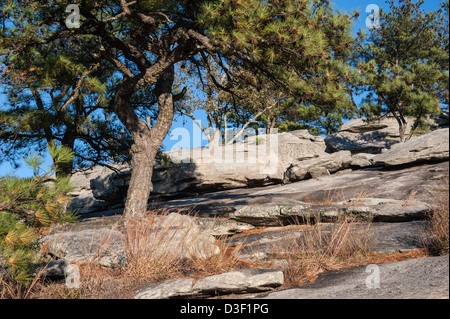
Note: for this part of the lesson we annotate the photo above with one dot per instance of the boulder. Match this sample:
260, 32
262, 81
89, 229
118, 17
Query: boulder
374, 136
362, 160
244, 164
430, 147
104, 242
202, 170
383, 211
235, 282
425, 278
370, 142
319, 166
169, 289
240, 281
383, 238
364, 136
99, 188
387, 125
101, 246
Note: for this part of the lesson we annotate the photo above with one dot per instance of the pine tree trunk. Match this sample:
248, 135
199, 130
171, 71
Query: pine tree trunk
141, 178
147, 141
402, 124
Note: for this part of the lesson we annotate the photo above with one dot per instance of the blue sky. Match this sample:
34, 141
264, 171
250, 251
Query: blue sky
183, 122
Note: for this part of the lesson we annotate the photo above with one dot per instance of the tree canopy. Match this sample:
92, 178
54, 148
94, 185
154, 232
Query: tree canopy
403, 64
108, 87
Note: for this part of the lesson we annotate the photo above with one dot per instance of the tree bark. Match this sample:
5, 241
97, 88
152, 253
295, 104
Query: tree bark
147, 141
402, 124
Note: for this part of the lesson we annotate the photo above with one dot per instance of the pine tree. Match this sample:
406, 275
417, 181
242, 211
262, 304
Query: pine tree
293, 45
27, 204
54, 92
403, 65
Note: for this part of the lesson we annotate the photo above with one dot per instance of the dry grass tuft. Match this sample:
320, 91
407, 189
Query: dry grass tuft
153, 250
225, 260
152, 245
149, 256
436, 236
324, 248
13, 289
334, 196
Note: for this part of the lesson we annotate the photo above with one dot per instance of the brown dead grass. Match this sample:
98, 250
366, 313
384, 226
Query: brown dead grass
96, 283
148, 260
436, 236
334, 196
323, 248
397, 257
302, 258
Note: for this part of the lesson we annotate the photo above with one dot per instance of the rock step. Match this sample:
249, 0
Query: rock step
383, 238
235, 282
105, 243
377, 210
424, 278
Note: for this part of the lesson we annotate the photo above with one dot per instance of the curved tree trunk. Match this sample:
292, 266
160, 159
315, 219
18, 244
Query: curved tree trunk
402, 125
147, 141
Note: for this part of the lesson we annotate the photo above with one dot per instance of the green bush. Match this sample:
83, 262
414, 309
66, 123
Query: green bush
27, 204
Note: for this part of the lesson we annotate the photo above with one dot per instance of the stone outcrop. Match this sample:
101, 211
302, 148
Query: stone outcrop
235, 282
266, 160
384, 186
202, 170
426, 278
430, 147
375, 136
320, 166
107, 243
382, 211
362, 136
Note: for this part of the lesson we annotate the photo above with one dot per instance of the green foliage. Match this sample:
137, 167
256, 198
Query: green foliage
303, 44
260, 141
27, 204
403, 65
56, 91
279, 60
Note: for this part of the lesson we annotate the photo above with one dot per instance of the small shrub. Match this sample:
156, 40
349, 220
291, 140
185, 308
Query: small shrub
27, 204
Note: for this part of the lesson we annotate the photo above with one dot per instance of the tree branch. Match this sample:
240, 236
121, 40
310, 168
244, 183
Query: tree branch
252, 120
76, 91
